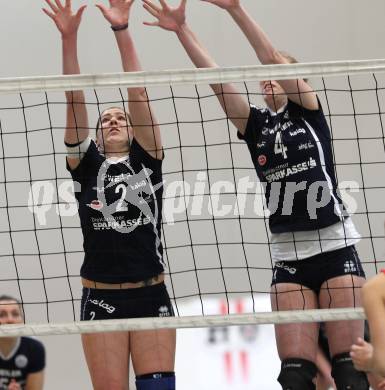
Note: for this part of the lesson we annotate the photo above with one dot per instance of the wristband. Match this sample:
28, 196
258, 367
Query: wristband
119, 27
79, 149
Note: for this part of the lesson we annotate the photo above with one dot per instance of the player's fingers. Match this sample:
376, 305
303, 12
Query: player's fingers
183, 4
151, 5
50, 14
355, 348
103, 8
59, 4
361, 341
153, 12
152, 24
80, 11
52, 6
164, 4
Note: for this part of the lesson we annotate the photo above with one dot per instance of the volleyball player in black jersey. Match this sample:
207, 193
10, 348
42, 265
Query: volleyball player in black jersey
316, 264
22, 359
118, 180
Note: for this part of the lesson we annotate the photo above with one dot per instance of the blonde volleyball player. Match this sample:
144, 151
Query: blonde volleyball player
120, 208
316, 264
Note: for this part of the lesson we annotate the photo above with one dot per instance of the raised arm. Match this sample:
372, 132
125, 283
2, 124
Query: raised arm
67, 22
298, 91
173, 19
145, 126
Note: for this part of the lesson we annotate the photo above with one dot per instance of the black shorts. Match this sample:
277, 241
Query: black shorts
314, 271
151, 301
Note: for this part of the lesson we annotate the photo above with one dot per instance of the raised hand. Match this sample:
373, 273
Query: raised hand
225, 4
65, 19
118, 13
168, 18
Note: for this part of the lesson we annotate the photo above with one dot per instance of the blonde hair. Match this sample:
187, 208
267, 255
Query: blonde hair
291, 59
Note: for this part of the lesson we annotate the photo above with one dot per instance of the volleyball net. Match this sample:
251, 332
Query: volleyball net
215, 223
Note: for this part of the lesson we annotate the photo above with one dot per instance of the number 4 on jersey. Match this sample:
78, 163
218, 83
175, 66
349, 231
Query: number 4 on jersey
279, 147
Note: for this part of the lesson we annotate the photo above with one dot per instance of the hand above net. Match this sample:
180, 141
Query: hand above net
65, 19
118, 13
171, 19
225, 4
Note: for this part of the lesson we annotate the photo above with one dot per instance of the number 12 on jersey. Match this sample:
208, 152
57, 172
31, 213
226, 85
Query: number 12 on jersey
279, 147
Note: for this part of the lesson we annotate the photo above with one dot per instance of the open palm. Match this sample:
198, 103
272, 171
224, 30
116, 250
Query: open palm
65, 19
168, 18
118, 12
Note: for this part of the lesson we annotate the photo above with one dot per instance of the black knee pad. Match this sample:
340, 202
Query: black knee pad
346, 376
297, 374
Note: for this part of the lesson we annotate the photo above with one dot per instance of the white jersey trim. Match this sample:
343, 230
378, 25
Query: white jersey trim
156, 216
279, 111
337, 207
302, 245
85, 304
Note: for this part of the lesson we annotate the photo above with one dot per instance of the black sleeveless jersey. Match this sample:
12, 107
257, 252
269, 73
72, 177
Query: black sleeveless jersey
120, 209
28, 357
292, 154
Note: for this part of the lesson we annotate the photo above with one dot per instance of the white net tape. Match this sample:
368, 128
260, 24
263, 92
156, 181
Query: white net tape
190, 76
282, 317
